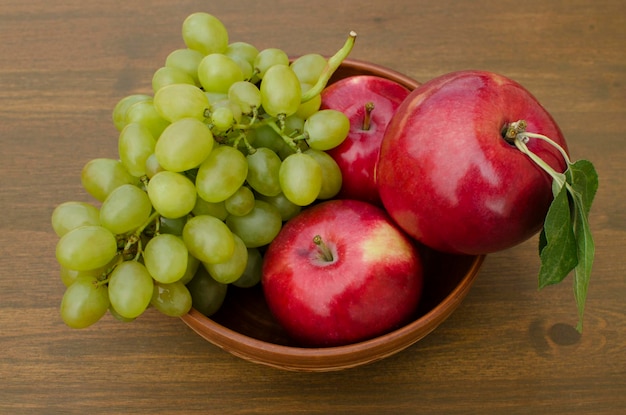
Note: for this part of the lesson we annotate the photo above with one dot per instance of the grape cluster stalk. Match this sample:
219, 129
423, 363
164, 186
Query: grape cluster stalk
230, 145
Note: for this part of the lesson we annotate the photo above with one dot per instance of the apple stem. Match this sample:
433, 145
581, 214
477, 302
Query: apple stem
367, 117
324, 251
516, 134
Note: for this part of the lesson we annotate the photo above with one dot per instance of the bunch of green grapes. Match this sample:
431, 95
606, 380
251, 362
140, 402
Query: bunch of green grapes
229, 145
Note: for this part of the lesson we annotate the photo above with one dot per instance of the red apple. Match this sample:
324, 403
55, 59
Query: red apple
369, 102
448, 177
341, 272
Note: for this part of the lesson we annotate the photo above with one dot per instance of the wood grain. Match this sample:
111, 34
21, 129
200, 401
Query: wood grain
509, 348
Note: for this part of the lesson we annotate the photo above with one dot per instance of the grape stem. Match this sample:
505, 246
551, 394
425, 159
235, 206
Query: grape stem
290, 141
331, 66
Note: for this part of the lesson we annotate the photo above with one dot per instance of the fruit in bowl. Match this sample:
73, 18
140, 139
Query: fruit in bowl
229, 159
341, 272
245, 326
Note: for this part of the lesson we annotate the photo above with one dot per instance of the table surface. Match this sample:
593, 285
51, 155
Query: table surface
509, 348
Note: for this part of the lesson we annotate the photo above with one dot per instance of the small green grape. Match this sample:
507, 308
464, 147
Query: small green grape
125, 209
173, 299
184, 145
280, 91
71, 215
130, 289
84, 302
208, 239
172, 194
205, 33
207, 295
300, 178
165, 257
86, 248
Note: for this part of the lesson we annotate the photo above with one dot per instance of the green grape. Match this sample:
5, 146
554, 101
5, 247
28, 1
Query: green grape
265, 136
326, 129
167, 75
152, 166
246, 95
135, 144
165, 257
172, 226
221, 174
71, 215
286, 208
184, 145
331, 173
205, 33
294, 125
310, 107
85, 248
172, 194
254, 270
226, 103
208, 239
300, 178
125, 209
146, 114
217, 209
309, 67
186, 60
192, 267
263, 167
222, 118
242, 50
101, 176
207, 295
84, 302
121, 108
241, 202
246, 67
177, 101
230, 270
173, 299
280, 91
257, 228
217, 72
130, 289
267, 58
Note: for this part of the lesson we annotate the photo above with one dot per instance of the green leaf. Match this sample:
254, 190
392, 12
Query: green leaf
583, 179
559, 254
565, 242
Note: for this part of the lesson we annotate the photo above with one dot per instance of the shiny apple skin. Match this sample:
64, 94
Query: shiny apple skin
449, 179
372, 285
358, 154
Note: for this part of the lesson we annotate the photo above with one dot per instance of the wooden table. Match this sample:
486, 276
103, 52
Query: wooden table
508, 349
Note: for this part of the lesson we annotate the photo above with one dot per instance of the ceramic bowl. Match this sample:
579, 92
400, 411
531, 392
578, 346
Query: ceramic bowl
245, 327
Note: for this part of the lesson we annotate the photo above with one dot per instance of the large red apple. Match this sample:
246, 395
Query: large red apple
341, 272
369, 102
448, 177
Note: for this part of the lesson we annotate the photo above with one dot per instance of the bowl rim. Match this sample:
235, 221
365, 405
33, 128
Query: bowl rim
384, 71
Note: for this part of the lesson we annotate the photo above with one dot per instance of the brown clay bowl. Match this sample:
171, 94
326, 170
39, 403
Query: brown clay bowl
245, 327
